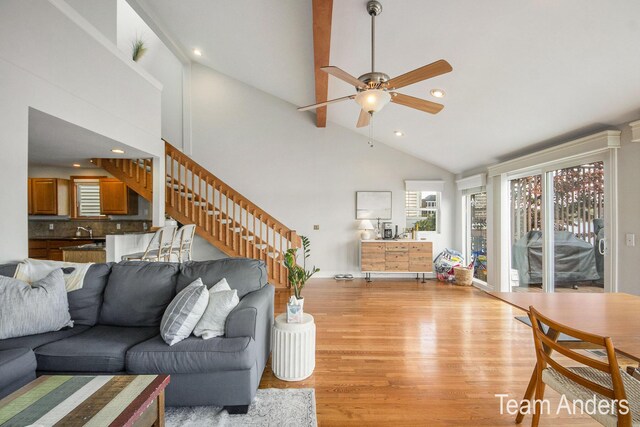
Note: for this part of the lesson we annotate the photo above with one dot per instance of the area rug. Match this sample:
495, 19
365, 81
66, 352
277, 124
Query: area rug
285, 407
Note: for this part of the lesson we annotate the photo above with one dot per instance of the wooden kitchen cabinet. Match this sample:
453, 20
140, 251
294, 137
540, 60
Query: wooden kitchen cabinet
48, 196
396, 256
50, 249
116, 198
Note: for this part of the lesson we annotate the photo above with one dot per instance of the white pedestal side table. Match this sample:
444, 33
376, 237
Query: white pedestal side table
294, 348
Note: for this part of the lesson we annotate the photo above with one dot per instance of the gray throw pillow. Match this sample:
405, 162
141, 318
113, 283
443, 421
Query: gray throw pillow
221, 303
184, 312
33, 309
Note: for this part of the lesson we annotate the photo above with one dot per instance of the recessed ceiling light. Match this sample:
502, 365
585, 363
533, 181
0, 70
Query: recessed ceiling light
76, 165
197, 52
438, 93
398, 133
117, 151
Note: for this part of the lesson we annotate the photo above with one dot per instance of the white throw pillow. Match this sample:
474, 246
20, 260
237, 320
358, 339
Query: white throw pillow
222, 285
33, 309
212, 323
184, 312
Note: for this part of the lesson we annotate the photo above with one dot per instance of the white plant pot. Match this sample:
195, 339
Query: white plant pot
301, 303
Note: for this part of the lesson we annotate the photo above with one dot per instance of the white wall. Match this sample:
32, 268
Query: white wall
52, 60
628, 212
102, 14
160, 62
300, 174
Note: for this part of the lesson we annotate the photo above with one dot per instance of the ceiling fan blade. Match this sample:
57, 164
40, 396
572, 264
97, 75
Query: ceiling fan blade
432, 70
363, 119
417, 103
343, 75
322, 104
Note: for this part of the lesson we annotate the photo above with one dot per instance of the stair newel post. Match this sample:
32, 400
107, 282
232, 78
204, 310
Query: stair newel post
193, 194
219, 218
173, 182
246, 230
227, 216
233, 223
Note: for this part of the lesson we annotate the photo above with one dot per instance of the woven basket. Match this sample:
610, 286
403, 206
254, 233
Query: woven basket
464, 276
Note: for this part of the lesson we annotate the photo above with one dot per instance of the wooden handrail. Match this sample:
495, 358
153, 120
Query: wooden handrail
223, 216
195, 168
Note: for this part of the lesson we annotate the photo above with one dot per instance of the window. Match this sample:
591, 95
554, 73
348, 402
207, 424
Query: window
475, 232
87, 197
422, 210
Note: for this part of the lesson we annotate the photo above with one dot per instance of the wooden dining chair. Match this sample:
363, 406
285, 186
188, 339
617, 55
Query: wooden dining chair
604, 380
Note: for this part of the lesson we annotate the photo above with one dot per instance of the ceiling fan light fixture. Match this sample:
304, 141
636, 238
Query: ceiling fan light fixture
373, 100
438, 93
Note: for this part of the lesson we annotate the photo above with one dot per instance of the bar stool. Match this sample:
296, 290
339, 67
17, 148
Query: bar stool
159, 246
182, 243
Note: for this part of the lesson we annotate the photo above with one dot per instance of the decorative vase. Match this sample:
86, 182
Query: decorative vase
300, 302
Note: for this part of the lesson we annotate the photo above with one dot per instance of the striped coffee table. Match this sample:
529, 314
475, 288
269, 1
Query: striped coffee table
72, 400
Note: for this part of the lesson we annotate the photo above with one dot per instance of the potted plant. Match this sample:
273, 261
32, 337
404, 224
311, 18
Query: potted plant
298, 275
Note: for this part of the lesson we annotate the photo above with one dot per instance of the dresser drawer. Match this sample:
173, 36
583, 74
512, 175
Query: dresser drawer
397, 256
396, 266
373, 266
396, 247
420, 247
373, 247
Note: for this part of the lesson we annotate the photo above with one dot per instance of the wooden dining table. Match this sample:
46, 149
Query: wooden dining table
614, 315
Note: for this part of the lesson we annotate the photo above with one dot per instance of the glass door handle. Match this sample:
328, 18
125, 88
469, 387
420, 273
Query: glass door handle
602, 246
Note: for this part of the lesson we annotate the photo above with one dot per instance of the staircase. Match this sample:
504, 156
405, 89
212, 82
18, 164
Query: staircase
223, 217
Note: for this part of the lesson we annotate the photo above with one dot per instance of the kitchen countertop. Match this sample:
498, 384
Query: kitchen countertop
68, 238
87, 247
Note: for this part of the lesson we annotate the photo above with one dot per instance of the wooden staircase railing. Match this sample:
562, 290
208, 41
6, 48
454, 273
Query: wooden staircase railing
223, 216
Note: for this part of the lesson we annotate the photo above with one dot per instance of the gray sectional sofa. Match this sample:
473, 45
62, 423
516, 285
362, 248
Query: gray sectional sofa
116, 318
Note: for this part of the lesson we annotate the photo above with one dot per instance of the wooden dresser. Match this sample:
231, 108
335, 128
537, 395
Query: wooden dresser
396, 256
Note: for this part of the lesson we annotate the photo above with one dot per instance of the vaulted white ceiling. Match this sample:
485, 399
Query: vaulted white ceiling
525, 72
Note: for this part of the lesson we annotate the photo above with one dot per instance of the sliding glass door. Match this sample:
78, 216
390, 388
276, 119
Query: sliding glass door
475, 230
525, 204
579, 228
558, 229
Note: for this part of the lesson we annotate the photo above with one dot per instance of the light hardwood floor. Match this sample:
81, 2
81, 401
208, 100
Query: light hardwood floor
399, 352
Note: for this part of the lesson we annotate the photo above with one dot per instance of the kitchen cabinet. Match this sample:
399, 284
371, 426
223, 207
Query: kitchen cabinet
48, 196
50, 249
396, 256
116, 198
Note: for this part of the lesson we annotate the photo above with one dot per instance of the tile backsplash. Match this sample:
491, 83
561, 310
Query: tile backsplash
67, 228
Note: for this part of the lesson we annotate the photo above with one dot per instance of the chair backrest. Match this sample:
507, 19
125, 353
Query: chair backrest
546, 345
161, 241
183, 240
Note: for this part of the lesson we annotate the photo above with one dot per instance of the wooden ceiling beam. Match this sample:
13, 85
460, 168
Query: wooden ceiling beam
322, 11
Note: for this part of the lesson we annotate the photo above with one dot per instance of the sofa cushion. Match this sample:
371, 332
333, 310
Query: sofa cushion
35, 341
27, 309
244, 274
192, 355
138, 293
17, 366
84, 303
98, 349
212, 322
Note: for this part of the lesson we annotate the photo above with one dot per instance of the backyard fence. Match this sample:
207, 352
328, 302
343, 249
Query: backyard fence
578, 201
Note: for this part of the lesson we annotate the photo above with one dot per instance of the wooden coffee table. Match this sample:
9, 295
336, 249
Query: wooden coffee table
75, 400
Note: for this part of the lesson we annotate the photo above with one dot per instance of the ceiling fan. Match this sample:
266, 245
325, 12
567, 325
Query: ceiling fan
376, 89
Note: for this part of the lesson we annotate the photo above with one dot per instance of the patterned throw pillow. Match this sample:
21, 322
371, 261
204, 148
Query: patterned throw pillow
222, 300
33, 309
184, 312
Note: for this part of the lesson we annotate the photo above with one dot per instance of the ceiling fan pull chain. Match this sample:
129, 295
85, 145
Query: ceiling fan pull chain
371, 131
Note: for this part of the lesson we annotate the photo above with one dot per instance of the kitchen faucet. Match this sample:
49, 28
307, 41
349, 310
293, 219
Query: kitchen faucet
88, 230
